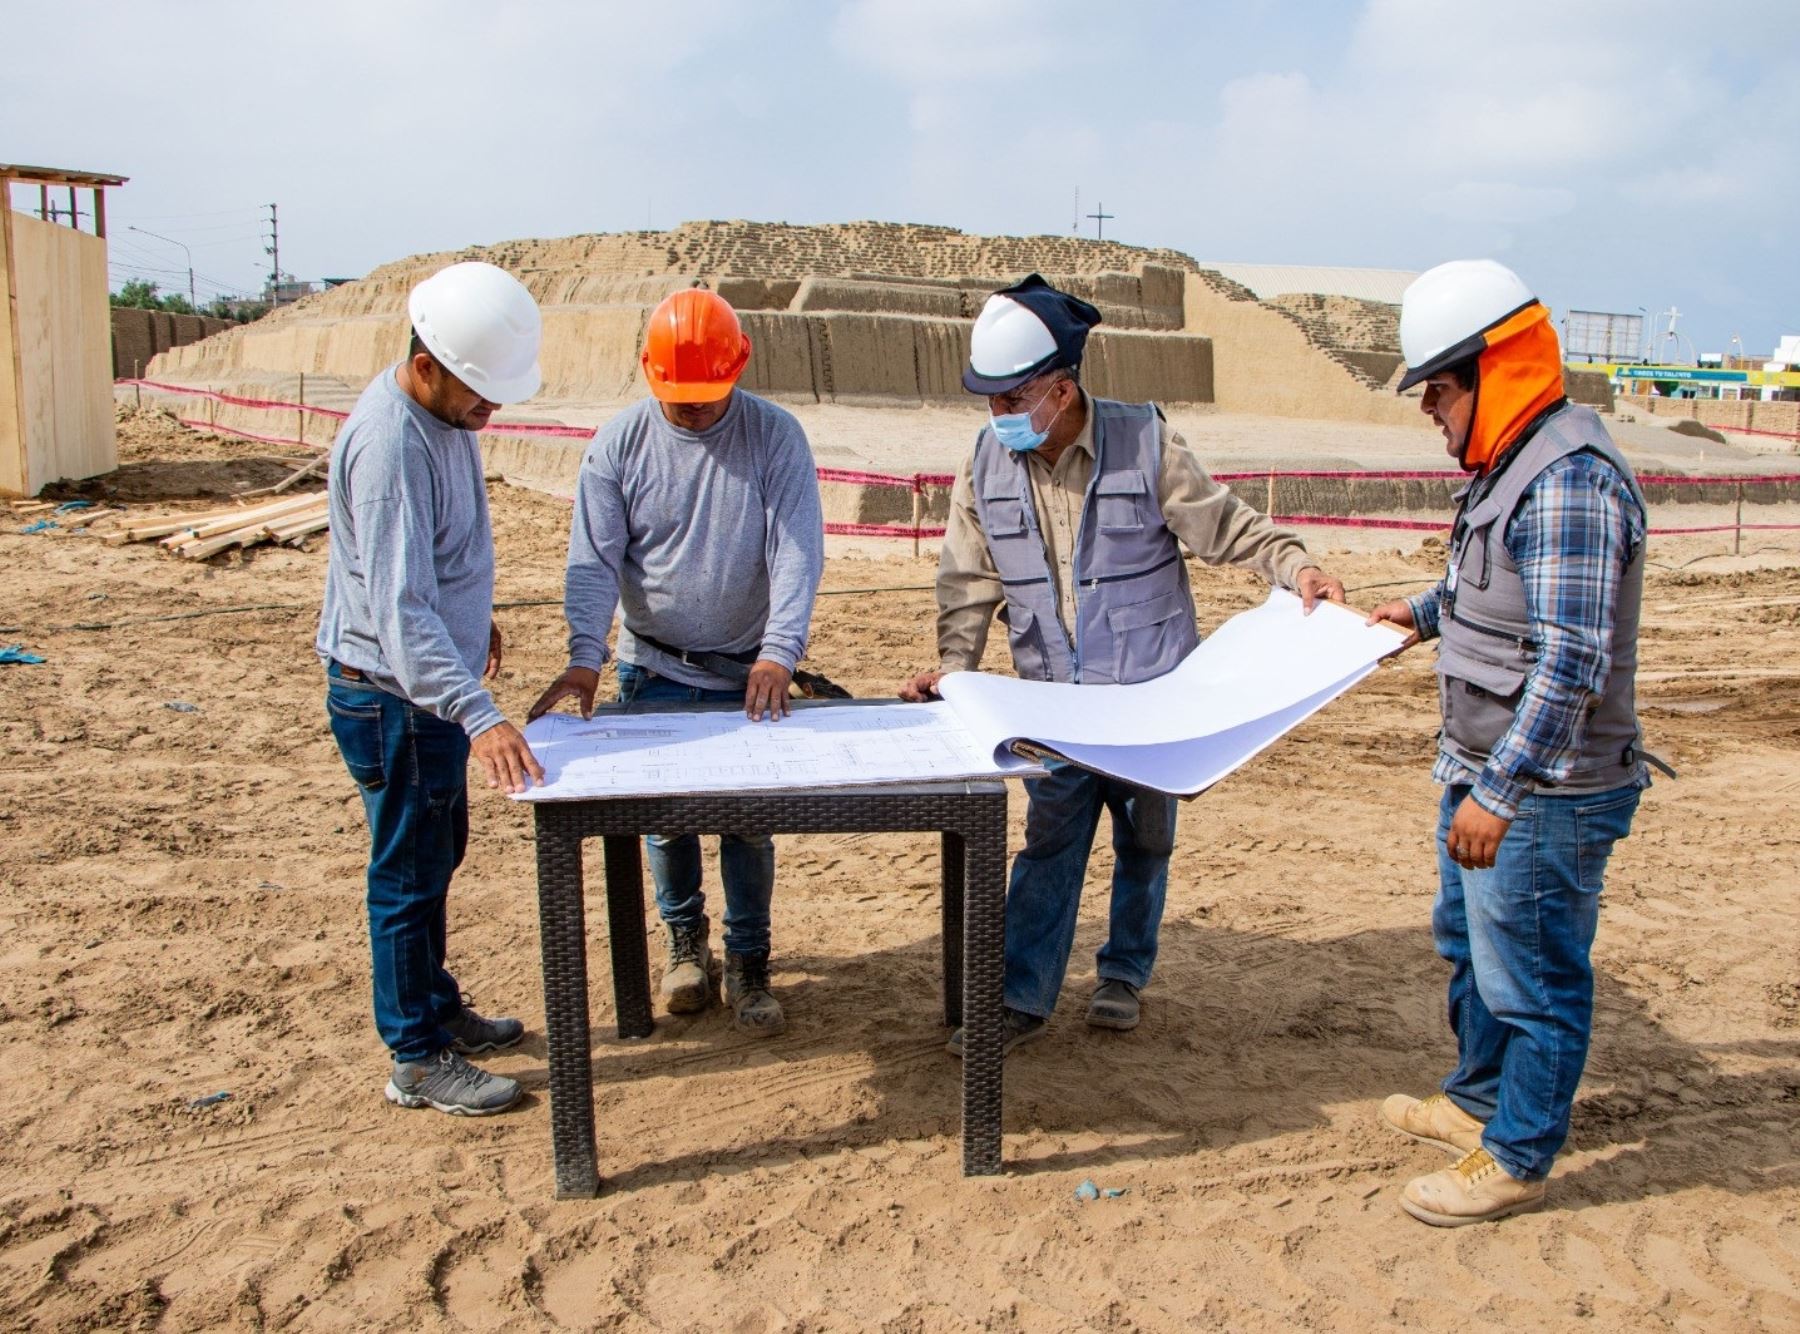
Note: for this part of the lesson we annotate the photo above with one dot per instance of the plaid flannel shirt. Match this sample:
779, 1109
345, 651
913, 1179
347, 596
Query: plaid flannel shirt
1575, 531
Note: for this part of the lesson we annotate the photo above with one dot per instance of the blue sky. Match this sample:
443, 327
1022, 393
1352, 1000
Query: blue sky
1616, 154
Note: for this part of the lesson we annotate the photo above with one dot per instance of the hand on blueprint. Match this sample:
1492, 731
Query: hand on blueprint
1317, 586
506, 759
1397, 612
919, 689
580, 682
766, 692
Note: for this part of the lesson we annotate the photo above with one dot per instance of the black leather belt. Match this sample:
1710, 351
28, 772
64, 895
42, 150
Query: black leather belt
731, 666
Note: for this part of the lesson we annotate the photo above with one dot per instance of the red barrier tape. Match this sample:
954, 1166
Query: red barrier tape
1333, 521
249, 435
1426, 526
879, 530
918, 481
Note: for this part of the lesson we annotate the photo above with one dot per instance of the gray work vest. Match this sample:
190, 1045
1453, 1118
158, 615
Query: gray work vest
1485, 648
1134, 615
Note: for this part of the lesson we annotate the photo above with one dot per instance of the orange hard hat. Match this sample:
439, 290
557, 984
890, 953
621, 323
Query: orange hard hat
694, 350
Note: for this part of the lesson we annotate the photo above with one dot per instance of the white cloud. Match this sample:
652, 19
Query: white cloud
1499, 202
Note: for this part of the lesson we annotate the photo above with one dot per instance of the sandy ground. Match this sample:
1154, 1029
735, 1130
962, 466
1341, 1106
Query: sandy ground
182, 915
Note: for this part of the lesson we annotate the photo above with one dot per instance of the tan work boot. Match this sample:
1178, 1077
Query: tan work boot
753, 1009
1476, 1190
1436, 1120
688, 983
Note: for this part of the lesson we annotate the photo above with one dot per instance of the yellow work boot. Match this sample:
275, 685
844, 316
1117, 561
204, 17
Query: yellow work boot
1436, 1120
1476, 1190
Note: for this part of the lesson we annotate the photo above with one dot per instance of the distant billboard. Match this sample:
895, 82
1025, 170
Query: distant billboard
1599, 335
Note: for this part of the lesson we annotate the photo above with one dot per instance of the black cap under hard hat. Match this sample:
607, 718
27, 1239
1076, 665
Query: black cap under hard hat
1023, 331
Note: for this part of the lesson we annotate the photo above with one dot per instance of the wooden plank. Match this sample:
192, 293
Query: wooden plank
12, 408
253, 515
100, 211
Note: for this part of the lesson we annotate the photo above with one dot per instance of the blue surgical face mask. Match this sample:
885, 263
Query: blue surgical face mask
1015, 431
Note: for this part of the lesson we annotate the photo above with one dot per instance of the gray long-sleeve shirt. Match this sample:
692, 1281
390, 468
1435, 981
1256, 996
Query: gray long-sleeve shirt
710, 540
409, 588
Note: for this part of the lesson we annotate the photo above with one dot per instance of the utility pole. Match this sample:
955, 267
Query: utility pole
193, 301
1101, 217
273, 250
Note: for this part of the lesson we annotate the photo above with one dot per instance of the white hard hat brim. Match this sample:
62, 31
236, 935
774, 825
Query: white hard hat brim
1472, 346
977, 383
514, 390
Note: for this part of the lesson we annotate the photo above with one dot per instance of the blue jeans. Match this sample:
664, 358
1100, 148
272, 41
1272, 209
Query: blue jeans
1517, 937
746, 861
411, 768
1045, 890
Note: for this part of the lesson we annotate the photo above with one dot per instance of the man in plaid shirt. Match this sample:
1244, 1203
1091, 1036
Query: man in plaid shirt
1540, 753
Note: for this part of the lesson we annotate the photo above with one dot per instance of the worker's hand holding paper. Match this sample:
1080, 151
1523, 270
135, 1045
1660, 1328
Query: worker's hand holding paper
1260, 674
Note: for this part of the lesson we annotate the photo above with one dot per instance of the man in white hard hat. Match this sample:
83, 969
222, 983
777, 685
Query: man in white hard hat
406, 634
1068, 520
1540, 753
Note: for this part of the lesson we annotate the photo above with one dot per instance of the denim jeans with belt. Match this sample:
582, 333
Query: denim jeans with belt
1517, 937
1045, 890
746, 861
411, 768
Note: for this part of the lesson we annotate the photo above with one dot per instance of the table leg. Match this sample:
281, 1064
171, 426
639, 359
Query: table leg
563, 936
984, 972
952, 920
625, 924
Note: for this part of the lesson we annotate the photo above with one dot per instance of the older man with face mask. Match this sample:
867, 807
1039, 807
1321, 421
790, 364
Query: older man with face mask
1540, 753
1068, 520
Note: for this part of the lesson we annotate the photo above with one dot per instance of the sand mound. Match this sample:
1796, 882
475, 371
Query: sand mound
858, 312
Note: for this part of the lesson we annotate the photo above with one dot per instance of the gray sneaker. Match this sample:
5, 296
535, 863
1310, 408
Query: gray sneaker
450, 1084
471, 1035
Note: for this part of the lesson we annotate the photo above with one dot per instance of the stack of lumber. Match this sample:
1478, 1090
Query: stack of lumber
197, 536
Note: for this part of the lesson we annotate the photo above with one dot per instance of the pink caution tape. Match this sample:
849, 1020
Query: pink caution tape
919, 481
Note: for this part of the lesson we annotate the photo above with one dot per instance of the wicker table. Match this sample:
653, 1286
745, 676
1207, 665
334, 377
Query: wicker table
970, 818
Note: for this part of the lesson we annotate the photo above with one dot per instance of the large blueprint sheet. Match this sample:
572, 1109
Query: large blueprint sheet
1259, 675
674, 754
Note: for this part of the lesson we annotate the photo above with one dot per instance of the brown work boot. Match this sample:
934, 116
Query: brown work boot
1476, 1190
753, 1009
688, 982
1436, 1120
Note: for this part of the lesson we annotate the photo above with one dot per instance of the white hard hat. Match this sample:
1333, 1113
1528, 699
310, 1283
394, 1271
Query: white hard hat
1446, 310
483, 327
1010, 339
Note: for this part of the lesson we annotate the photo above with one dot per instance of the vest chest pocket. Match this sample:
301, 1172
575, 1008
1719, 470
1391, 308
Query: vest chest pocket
1119, 501
1150, 638
1003, 516
1471, 557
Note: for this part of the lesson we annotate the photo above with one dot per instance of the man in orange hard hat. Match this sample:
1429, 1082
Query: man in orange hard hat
697, 517
1540, 753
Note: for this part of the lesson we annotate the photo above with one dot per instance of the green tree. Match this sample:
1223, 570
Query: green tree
138, 294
